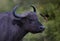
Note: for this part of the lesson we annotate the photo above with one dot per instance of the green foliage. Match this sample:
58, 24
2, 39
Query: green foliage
52, 30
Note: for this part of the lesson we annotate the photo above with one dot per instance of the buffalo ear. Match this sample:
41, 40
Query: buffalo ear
14, 22
18, 22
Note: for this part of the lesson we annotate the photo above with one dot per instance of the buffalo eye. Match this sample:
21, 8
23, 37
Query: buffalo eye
31, 20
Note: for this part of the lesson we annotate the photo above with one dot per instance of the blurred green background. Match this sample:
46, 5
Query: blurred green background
52, 30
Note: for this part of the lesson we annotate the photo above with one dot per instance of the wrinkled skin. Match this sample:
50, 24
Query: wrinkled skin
14, 28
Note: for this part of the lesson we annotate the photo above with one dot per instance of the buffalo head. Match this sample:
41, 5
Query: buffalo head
28, 21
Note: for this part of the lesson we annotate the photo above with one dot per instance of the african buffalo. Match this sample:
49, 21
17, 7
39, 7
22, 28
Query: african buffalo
14, 27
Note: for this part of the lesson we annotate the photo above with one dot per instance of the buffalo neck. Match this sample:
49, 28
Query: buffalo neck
21, 34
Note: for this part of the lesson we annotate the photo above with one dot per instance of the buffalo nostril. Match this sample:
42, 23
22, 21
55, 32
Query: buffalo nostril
42, 27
